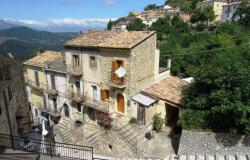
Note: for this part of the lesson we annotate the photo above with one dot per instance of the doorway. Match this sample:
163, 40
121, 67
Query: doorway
141, 114
172, 115
120, 103
66, 110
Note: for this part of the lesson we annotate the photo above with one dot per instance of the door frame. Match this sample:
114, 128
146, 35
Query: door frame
143, 111
124, 109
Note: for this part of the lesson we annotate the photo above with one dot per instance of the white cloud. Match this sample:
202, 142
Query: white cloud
107, 2
68, 23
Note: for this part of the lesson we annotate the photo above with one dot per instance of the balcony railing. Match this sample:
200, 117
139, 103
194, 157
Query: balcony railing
51, 90
74, 70
96, 104
37, 86
76, 97
49, 109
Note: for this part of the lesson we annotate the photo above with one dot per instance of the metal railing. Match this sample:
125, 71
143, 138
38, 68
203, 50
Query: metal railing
39, 86
52, 149
96, 104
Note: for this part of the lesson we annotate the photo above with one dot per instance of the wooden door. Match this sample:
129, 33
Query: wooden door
120, 103
141, 114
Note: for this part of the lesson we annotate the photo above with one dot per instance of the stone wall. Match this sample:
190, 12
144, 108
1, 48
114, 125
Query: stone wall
213, 143
17, 102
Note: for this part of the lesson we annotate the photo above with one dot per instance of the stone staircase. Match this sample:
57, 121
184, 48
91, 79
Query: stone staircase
65, 130
91, 134
135, 135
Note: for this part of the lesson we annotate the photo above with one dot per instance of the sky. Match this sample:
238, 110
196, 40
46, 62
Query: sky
68, 15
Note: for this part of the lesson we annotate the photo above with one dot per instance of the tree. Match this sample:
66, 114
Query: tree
150, 7
220, 93
162, 27
203, 15
136, 25
243, 12
111, 24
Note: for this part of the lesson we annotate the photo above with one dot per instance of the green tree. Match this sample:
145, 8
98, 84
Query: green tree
243, 12
111, 24
162, 27
136, 25
150, 7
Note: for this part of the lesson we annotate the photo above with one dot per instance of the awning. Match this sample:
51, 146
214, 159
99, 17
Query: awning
144, 100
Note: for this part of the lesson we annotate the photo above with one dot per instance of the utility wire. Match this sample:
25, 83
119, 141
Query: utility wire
205, 51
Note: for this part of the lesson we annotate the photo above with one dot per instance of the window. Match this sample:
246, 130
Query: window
37, 78
92, 62
36, 112
79, 107
94, 88
104, 94
9, 93
76, 62
115, 65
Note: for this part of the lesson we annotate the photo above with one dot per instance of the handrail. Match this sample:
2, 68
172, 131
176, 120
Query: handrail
54, 149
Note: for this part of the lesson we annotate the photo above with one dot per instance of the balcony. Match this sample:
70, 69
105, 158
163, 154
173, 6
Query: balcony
74, 70
49, 110
76, 97
36, 86
99, 105
117, 82
51, 90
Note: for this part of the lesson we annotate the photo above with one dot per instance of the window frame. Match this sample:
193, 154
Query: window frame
92, 62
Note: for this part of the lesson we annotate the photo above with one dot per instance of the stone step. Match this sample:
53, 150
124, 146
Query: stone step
211, 157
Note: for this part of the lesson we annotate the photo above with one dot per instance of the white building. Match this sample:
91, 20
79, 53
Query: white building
228, 12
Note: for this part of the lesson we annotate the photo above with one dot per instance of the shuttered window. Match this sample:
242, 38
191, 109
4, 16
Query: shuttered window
104, 94
115, 65
37, 78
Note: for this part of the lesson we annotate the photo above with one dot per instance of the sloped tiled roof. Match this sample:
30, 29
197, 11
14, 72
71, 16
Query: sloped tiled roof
168, 89
47, 56
109, 39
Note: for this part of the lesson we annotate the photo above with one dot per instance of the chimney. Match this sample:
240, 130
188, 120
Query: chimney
169, 63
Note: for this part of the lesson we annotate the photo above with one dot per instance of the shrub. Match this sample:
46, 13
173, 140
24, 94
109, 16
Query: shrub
194, 118
133, 120
158, 123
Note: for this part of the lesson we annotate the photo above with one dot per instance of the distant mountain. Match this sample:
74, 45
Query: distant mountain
6, 25
23, 41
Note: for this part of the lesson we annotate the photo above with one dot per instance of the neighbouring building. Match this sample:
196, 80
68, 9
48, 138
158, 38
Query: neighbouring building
46, 85
217, 6
106, 69
15, 114
228, 12
123, 22
185, 16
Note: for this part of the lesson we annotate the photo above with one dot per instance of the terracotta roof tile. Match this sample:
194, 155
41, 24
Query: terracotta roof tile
168, 89
109, 39
47, 56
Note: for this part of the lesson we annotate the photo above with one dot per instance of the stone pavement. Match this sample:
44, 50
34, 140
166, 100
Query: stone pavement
163, 143
213, 143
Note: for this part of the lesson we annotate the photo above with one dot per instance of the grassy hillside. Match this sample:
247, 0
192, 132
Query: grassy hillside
23, 41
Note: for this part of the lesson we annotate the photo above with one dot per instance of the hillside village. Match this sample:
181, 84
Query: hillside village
166, 83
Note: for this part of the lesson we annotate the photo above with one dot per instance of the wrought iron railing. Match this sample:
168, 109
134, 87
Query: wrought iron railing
52, 149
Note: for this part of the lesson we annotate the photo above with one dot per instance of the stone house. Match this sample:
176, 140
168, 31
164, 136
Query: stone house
185, 16
15, 116
228, 12
106, 69
46, 85
217, 6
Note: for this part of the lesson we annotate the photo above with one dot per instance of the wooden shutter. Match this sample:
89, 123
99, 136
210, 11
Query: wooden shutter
103, 94
113, 71
107, 94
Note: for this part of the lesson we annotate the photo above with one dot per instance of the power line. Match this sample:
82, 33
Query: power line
205, 51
